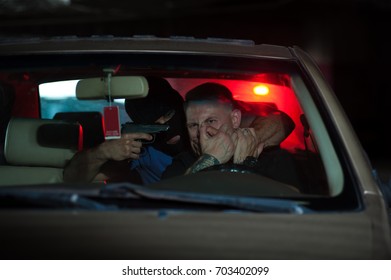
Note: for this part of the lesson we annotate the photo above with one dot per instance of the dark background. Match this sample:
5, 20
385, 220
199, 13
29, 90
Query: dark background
347, 38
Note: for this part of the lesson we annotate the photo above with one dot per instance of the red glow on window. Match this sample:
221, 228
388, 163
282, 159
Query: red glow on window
261, 90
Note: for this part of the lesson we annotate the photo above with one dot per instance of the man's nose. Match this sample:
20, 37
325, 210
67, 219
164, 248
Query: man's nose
200, 126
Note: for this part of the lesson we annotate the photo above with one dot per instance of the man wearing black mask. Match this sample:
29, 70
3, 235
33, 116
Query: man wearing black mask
127, 158
163, 105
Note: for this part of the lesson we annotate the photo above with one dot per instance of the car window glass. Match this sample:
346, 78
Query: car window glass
60, 96
260, 85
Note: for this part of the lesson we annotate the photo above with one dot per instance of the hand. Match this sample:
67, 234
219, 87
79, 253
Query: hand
127, 147
217, 143
246, 144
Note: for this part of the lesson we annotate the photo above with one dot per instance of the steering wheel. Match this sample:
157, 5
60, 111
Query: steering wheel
232, 168
264, 185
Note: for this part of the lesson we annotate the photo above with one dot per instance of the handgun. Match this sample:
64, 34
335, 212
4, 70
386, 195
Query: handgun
151, 129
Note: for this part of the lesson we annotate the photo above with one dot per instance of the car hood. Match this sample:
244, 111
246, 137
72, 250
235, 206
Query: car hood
190, 235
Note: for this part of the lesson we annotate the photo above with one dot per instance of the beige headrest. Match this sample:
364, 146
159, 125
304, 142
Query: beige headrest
41, 142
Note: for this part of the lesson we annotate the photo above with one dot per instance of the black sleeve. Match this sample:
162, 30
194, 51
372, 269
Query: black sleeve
279, 164
179, 165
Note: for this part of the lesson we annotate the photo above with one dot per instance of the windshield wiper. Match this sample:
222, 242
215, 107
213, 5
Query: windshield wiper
254, 204
117, 194
39, 199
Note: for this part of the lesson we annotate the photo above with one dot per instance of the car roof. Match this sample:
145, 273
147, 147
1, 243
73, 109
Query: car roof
72, 44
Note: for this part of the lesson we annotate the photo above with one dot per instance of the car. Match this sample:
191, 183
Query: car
56, 99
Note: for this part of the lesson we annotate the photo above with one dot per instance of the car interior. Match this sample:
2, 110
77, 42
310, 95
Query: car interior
36, 150
39, 146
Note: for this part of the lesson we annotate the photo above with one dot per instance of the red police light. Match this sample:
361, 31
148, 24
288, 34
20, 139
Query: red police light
261, 90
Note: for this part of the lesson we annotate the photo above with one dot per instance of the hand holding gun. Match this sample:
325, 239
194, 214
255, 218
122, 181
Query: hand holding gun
152, 129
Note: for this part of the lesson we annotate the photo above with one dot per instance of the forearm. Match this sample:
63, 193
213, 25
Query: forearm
203, 162
272, 129
267, 130
85, 167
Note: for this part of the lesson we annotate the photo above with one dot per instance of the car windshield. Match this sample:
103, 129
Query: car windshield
301, 165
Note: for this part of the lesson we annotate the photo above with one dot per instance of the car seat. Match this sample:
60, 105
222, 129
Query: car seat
92, 124
37, 150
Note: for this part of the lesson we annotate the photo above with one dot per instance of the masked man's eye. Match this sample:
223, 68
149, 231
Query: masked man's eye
169, 114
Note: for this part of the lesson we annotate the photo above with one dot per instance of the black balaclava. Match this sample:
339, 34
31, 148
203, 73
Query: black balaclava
7, 99
161, 100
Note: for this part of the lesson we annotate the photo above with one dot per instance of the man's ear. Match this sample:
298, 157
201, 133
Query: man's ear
236, 117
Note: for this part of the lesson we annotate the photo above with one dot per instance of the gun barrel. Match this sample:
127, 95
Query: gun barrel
146, 128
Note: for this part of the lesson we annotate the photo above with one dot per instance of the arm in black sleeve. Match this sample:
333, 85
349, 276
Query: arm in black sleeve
179, 165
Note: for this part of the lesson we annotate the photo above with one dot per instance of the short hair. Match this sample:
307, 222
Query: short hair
213, 92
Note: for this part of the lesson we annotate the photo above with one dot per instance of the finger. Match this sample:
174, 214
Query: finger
136, 150
132, 147
252, 131
203, 138
211, 131
235, 138
204, 134
131, 143
249, 135
260, 148
135, 143
246, 132
132, 152
240, 133
134, 156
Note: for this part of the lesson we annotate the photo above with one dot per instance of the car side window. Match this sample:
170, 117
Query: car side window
59, 97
